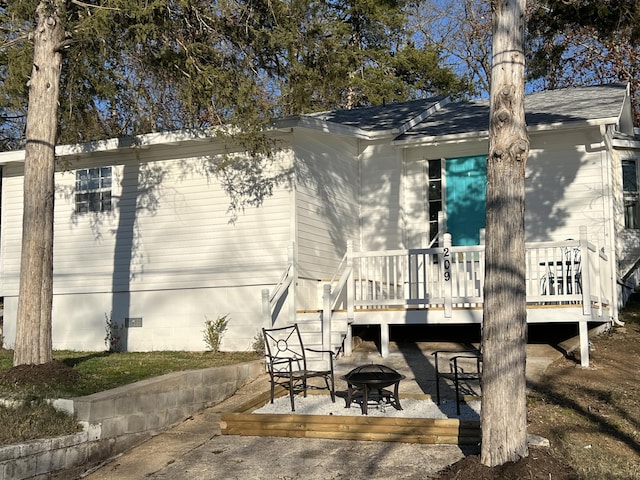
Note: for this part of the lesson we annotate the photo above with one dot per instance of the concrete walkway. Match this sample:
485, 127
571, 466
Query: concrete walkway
195, 449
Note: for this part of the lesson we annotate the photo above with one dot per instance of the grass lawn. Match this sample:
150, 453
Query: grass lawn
100, 371
93, 372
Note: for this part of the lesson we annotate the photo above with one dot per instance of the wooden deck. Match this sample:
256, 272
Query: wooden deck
243, 421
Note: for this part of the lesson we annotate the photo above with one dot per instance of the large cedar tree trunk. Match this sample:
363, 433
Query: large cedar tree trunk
33, 332
504, 332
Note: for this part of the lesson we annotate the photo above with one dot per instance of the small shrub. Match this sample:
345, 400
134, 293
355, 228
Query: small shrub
258, 344
213, 332
113, 334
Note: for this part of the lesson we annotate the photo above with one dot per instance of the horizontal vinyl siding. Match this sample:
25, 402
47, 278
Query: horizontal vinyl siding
564, 181
565, 186
171, 319
173, 232
326, 201
414, 200
382, 227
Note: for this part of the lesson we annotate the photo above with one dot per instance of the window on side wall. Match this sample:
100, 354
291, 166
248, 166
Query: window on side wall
93, 190
630, 190
434, 197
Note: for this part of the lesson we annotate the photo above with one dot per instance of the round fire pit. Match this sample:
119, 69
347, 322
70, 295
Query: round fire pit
374, 378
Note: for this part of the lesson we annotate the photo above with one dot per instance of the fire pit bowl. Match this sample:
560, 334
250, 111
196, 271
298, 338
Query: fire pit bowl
363, 380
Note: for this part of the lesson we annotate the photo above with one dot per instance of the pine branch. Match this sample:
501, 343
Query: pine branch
96, 7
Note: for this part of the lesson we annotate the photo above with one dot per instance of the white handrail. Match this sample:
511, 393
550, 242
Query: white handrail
338, 268
269, 301
335, 292
282, 286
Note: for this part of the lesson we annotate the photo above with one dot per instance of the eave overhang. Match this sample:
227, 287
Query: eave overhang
483, 135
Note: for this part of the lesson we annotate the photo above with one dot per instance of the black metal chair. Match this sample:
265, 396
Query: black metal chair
288, 364
570, 281
464, 366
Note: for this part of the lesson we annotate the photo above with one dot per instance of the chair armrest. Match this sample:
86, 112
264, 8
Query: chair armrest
463, 351
331, 354
477, 358
467, 350
319, 351
280, 361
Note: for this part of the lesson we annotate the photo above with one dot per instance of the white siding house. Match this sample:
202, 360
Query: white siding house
367, 205
166, 254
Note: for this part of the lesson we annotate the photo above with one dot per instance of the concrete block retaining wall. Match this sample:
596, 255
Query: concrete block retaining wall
118, 419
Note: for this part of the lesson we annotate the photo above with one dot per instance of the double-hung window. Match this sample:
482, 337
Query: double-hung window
93, 190
630, 191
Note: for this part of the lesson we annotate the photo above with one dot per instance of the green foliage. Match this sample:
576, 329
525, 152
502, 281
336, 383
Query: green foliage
113, 335
213, 331
134, 66
258, 345
607, 17
32, 418
103, 370
577, 42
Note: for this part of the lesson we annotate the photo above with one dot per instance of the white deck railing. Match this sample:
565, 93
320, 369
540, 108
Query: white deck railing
570, 271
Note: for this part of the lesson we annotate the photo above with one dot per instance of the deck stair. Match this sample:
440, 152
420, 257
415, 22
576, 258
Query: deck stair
310, 325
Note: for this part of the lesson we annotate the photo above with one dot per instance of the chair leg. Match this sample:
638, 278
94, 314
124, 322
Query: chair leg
330, 386
333, 391
291, 394
457, 382
273, 387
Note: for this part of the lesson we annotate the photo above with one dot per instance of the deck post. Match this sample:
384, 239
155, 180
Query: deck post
291, 293
585, 280
584, 343
326, 317
351, 286
384, 340
348, 341
266, 309
442, 227
445, 272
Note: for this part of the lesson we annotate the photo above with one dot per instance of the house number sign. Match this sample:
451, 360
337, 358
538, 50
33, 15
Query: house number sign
447, 264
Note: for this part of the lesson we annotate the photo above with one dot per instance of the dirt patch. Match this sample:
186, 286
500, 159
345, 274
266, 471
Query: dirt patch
51, 373
539, 465
591, 417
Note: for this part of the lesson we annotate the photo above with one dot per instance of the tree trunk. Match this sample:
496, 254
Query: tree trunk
504, 333
33, 332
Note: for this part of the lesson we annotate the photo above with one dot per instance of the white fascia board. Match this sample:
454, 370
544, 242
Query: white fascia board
312, 123
442, 139
115, 144
13, 156
484, 134
140, 141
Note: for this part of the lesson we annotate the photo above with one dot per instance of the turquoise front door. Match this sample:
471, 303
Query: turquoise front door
466, 193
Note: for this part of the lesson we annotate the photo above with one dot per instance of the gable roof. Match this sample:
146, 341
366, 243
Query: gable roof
577, 105
416, 122
370, 122
384, 117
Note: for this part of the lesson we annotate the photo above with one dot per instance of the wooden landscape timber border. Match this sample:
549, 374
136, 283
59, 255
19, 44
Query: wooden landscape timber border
243, 421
